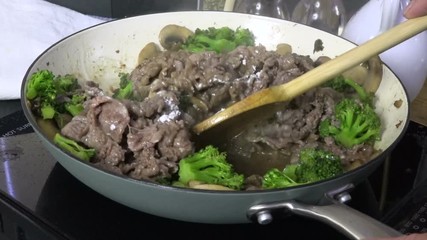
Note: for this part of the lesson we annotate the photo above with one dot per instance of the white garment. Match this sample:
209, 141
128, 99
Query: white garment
27, 28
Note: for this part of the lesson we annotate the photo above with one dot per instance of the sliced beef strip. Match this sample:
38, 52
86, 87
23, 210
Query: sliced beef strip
296, 123
77, 128
145, 166
175, 143
158, 148
113, 119
101, 128
92, 89
107, 151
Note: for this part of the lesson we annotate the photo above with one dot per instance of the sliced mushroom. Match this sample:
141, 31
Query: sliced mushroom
375, 68
193, 183
150, 50
358, 74
48, 127
172, 36
206, 186
212, 187
368, 74
199, 104
320, 60
283, 48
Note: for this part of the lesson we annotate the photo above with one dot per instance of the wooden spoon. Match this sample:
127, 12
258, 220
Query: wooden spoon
320, 74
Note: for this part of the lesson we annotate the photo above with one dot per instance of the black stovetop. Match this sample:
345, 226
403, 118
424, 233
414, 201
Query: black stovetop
39, 199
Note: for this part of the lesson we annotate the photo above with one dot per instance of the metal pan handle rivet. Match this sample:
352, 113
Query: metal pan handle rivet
343, 197
264, 218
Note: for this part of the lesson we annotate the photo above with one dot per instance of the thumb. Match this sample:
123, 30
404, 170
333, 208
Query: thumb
413, 236
416, 8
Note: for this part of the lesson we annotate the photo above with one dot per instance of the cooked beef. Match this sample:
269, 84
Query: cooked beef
157, 149
77, 128
145, 138
217, 79
101, 127
297, 122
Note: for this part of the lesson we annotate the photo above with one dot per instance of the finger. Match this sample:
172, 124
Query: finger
416, 8
414, 236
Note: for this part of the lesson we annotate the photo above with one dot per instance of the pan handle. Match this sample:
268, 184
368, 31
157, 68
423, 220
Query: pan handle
350, 222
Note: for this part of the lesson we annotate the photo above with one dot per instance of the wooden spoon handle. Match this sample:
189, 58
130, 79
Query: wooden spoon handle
320, 74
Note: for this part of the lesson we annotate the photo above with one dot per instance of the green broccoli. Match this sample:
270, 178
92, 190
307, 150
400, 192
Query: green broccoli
73, 147
317, 164
42, 85
274, 178
66, 83
70, 97
338, 84
220, 40
244, 37
313, 165
53, 95
208, 165
75, 105
356, 123
342, 84
125, 90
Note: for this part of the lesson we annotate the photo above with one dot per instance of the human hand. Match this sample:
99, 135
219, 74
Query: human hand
413, 236
416, 8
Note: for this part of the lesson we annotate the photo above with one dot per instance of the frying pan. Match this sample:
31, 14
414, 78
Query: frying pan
101, 52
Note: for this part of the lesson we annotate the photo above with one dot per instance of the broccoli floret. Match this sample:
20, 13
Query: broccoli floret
73, 147
354, 122
364, 96
313, 165
125, 90
357, 123
68, 98
75, 105
40, 82
317, 164
274, 178
338, 84
208, 165
66, 83
244, 37
41, 85
290, 171
342, 84
219, 40
53, 95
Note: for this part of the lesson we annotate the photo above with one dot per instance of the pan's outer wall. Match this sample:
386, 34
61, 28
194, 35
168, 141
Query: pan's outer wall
101, 52
195, 206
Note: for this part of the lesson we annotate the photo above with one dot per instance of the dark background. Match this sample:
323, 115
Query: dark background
127, 8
